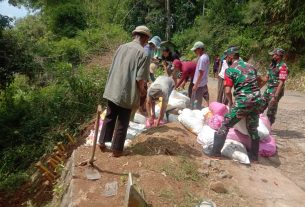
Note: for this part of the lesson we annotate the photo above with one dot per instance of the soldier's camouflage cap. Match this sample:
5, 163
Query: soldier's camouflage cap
231, 50
277, 51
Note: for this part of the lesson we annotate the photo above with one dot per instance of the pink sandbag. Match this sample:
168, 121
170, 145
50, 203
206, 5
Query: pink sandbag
267, 149
215, 121
218, 108
237, 136
265, 121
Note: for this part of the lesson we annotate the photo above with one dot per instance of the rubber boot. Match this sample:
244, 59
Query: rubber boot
254, 150
219, 140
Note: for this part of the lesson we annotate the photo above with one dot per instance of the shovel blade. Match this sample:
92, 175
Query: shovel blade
92, 173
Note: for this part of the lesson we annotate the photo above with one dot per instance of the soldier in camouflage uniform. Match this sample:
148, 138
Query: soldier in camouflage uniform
277, 75
243, 77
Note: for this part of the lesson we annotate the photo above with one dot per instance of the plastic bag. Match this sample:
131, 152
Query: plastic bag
236, 151
267, 148
177, 100
134, 129
139, 118
193, 121
205, 111
215, 121
206, 139
237, 136
263, 131
172, 118
265, 121
218, 108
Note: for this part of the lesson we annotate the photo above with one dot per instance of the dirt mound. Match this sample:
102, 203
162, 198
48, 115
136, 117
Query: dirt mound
168, 165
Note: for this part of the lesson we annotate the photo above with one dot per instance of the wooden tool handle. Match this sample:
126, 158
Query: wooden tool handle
97, 124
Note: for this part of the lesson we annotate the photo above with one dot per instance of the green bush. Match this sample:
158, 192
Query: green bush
33, 119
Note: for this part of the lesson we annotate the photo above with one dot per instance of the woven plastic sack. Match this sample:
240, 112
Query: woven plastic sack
218, 108
235, 151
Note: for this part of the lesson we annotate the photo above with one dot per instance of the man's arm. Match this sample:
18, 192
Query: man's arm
141, 87
182, 79
262, 80
277, 93
162, 112
150, 107
228, 84
228, 92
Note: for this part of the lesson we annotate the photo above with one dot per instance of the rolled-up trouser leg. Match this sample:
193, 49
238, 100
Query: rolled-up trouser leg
252, 124
121, 129
108, 123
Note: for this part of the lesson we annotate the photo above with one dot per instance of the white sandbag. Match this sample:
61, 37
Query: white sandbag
191, 121
139, 118
236, 151
172, 118
127, 143
134, 129
205, 110
263, 131
177, 100
206, 139
242, 127
157, 112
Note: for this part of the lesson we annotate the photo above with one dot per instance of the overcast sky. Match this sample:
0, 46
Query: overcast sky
8, 10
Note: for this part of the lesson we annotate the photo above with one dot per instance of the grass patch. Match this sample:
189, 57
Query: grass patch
190, 200
166, 194
184, 170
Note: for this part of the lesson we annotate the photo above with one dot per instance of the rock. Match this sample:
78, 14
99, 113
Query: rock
218, 187
207, 163
224, 174
163, 173
204, 172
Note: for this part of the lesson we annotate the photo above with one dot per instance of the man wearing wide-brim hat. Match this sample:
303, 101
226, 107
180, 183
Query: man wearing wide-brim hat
277, 75
125, 84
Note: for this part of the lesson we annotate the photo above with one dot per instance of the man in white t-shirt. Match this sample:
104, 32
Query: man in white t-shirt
200, 81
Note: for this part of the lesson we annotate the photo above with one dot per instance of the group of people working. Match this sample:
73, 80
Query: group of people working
134, 63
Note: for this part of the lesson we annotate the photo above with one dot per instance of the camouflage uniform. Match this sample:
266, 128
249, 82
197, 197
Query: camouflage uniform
247, 95
276, 72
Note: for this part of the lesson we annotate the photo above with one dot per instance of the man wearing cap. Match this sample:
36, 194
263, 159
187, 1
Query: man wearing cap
161, 87
277, 75
187, 69
243, 77
124, 86
200, 81
153, 48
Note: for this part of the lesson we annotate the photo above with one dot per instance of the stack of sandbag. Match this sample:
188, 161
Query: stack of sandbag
238, 140
267, 145
192, 119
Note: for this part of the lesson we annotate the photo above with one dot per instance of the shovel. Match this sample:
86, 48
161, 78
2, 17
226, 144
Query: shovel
91, 172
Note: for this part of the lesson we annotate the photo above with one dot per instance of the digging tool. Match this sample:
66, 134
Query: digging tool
91, 172
134, 198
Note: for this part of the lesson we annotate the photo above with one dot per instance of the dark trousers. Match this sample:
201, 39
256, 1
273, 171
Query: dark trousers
190, 89
116, 121
221, 96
